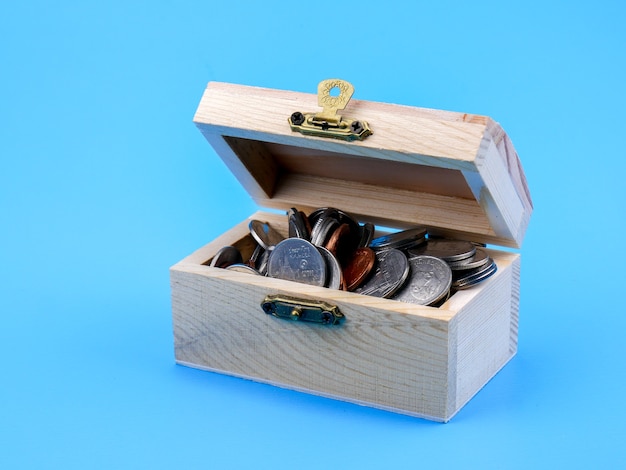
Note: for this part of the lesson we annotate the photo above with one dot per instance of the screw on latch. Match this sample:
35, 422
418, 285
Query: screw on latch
297, 118
268, 307
327, 317
356, 127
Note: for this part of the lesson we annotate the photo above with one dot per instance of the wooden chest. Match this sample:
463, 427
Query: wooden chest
457, 174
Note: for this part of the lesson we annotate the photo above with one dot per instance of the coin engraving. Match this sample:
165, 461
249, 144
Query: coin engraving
429, 281
390, 274
295, 259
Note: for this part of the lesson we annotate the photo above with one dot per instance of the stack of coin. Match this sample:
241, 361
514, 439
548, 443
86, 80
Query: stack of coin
468, 263
330, 248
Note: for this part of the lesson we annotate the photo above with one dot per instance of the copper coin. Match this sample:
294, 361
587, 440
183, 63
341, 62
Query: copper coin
358, 267
342, 243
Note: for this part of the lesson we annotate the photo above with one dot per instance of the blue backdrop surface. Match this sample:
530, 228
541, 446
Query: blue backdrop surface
105, 183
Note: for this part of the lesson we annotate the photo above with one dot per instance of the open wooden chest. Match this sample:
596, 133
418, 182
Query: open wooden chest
457, 174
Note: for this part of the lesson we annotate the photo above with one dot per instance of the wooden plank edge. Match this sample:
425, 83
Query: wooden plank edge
247, 111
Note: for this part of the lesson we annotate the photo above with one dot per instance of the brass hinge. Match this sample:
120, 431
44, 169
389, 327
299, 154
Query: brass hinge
328, 123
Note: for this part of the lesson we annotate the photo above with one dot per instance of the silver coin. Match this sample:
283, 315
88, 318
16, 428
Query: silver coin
261, 264
447, 250
391, 272
479, 259
295, 259
264, 234
255, 258
317, 213
475, 276
225, 257
442, 301
366, 233
400, 240
298, 224
322, 230
243, 268
341, 217
333, 269
429, 281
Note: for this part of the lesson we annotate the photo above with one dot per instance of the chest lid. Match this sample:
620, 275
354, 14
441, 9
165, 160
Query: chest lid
457, 174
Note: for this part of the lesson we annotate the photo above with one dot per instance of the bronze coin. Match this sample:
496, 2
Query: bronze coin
358, 267
342, 243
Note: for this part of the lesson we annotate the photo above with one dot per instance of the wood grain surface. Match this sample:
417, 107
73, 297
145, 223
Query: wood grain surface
421, 162
416, 360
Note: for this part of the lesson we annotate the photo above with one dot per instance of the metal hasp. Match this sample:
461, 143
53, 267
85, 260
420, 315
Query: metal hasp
292, 308
328, 123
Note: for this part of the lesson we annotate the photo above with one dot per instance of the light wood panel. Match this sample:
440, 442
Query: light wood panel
416, 360
414, 154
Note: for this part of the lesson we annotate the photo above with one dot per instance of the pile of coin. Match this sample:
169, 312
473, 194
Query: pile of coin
329, 248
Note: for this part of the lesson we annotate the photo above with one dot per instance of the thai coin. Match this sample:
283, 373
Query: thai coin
392, 270
317, 213
243, 268
447, 250
255, 257
264, 234
322, 230
298, 224
341, 217
479, 259
470, 278
358, 267
295, 259
429, 281
442, 301
334, 277
261, 264
366, 232
400, 240
225, 257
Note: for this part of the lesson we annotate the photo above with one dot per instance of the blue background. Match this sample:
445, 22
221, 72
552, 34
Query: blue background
105, 183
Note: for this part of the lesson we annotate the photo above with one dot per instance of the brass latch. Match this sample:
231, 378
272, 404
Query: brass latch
292, 308
328, 123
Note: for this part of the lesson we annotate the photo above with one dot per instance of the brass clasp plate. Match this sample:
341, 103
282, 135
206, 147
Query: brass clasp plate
328, 123
292, 308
